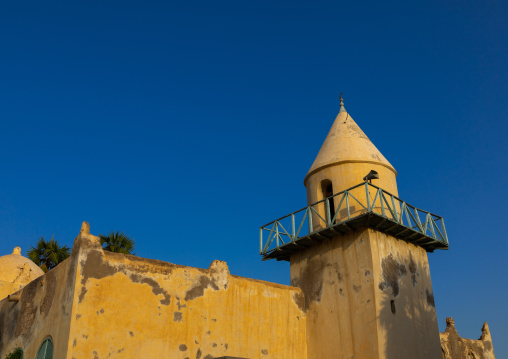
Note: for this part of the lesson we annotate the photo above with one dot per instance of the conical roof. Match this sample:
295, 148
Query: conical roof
16, 268
346, 142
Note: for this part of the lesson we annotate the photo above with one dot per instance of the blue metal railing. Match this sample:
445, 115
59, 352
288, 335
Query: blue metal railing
325, 214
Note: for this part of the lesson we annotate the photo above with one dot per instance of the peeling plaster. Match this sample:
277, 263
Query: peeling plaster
430, 297
95, 266
47, 302
177, 316
199, 289
28, 308
412, 269
310, 281
392, 272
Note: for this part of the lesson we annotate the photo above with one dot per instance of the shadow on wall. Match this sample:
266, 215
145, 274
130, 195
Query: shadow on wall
407, 317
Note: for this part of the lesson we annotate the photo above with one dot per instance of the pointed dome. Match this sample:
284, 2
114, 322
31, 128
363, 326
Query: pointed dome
345, 143
16, 268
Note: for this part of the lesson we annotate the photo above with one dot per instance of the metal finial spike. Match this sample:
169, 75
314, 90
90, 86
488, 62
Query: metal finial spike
342, 109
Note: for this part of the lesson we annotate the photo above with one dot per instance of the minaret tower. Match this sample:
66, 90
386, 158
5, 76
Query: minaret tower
359, 254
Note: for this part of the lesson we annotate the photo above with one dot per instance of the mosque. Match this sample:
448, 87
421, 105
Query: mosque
360, 284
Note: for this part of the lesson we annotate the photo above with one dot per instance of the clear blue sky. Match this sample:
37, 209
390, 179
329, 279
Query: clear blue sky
188, 125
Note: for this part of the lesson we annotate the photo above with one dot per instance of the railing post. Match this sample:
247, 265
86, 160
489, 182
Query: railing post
395, 210
444, 230
261, 240
277, 233
367, 194
328, 213
293, 234
382, 203
419, 224
347, 205
431, 222
311, 227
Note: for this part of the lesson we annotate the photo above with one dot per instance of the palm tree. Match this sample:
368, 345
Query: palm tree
117, 242
47, 254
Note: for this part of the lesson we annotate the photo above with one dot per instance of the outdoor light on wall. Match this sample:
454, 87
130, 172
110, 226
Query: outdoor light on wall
372, 175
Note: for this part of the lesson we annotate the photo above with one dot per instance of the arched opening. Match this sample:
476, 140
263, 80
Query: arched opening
327, 189
45, 350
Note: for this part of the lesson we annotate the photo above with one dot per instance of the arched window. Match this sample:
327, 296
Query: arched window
327, 189
16, 354
45, 350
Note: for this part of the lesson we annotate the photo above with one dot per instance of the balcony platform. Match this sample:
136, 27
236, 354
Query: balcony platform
385, 213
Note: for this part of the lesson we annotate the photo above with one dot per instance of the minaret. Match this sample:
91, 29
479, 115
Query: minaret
345, 157
360, 255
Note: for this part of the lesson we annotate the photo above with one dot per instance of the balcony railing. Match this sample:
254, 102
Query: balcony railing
364, 205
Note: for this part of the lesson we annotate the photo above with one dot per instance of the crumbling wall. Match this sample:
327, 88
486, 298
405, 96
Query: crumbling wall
131, 307
39, 310
455, 347
16, 271
367, 295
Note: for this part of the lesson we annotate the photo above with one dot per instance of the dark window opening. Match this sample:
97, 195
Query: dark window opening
327, 188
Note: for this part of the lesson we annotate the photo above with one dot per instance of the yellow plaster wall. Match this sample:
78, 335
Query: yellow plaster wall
42, 311
348, 284
455, 347
337, 280
7, 288
130, 307
16, 271
401, 272
344, 176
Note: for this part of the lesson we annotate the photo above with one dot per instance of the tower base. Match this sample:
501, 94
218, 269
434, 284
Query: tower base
367, 295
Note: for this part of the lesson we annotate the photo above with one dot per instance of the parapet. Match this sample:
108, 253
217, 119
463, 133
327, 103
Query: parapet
455, 347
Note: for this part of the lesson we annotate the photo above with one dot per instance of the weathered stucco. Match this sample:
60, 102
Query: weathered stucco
347, 143
127, 306
345, 158
455, 347
342, 177
43, 310
16, 271
367, 295
99, 304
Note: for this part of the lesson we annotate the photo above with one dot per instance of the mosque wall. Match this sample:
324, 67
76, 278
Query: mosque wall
337, 280
348, 174
42, 310
406, 314
349, 283
455, 347
7, 288
126, 306
342, 177
16, 272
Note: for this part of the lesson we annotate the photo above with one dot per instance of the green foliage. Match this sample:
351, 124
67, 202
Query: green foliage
47, 254
117, 242
16, 354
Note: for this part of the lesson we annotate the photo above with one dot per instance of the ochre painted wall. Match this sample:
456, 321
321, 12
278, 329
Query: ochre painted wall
348, 284
455, 347
130, 307
401, 273
344, 176
16, 271
98, 304
7, 288
44, 310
